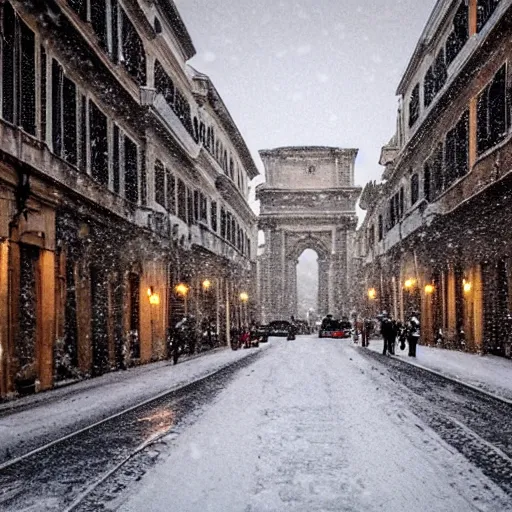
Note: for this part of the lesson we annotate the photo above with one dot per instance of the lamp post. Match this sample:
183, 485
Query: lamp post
182, 290
244, 299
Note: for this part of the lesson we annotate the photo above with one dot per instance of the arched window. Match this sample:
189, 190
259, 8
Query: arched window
196, 130
415, 188
202, 130
158, 26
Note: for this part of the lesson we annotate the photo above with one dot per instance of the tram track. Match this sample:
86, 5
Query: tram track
478, 424
61, 474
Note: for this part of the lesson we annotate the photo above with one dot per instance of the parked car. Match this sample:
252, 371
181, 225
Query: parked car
335, 329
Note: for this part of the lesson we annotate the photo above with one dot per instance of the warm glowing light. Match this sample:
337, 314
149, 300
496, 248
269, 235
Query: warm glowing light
409, 283
181, 289
244, 297
467, 286
150, 292
429, 289
207, 284
372, 293
154, 299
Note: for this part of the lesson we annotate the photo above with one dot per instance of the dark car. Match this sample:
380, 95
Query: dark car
261, 333
279, 328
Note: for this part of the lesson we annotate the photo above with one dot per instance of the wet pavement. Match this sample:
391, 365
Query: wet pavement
53, 478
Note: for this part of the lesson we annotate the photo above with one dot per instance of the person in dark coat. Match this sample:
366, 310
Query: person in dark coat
388, 331
413, 334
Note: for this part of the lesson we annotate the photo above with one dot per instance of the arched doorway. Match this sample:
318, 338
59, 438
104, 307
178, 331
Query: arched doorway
307, 284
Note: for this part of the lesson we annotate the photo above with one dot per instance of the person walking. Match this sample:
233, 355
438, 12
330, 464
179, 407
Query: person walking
413, 334
388, 331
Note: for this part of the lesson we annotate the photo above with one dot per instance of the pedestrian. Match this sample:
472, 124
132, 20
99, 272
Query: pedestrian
413, 334
388, 331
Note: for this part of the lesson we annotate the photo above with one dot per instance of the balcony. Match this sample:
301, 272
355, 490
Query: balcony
163, 112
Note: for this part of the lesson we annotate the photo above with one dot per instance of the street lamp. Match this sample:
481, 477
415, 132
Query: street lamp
410, 283
372, 293
429, 289
467, 286
244, 297
207, 284
181, 289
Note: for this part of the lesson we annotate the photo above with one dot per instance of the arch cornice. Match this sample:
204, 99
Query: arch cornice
308, 241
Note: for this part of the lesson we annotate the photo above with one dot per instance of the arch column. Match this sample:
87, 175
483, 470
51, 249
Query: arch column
323, 286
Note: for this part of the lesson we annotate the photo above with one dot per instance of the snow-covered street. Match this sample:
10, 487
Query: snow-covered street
318, 425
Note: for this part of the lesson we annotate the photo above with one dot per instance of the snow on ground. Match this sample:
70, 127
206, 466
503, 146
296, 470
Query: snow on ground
489, 373
49, 415
310, 427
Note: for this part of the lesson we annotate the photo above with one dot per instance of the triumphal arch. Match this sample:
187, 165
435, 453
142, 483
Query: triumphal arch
307, 202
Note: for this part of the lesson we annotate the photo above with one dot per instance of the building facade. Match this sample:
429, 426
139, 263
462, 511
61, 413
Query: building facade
307, 202
123, 190
435, 237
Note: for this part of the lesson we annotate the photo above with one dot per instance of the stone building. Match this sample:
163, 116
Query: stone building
436, 234
307, 202
122, 176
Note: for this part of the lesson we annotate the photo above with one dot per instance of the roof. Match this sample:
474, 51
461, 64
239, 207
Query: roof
219, 107
293, 150
171, 11
437, 16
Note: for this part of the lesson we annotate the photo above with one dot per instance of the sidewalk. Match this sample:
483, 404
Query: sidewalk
60, 411
489, 373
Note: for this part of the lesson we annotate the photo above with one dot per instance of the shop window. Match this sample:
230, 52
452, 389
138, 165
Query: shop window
182, 201
98, 144
171, 193
493, 123
414, 106
131, 181
132, 49
485, 10
415, 189
213, 216
160, 183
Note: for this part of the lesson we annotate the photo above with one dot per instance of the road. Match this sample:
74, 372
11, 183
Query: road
317, 425
306, 425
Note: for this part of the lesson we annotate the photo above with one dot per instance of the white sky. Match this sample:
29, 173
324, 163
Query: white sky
308, 72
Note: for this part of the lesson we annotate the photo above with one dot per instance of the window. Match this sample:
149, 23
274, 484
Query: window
401, 203
42, 131
414, 106
435, 165
213, 215
223, 223
99, 21
457, 151
182, 201
98, 144
203, 208
381, 228
190, 208
132, 49
196, 205
164, 84
231, 169
131, 182
18, 72
429, 87
492, 124
371, 236
69, 121
228, 226
485, 10
459, 35
426, 182
160, 191
171, 193
415, 189
116, 160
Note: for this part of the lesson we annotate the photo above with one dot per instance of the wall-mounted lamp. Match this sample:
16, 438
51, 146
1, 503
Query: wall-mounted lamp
207, 284
181, 289
372, 293
244, 297
429, 289
154, 298
410, 283
467, 286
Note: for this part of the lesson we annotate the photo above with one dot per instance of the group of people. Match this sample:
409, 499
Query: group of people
391, 330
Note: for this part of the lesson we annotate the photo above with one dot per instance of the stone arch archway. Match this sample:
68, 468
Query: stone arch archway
308, 202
